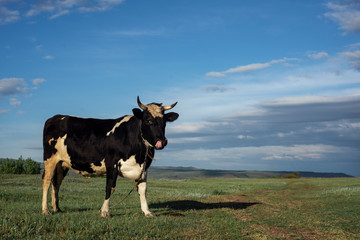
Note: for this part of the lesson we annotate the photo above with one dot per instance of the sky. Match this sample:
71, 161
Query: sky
260, 85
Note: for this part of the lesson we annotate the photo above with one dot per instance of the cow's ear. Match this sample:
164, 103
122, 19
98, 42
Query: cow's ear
171, 116
137, 113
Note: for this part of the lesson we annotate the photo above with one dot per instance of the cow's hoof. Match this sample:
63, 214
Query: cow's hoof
58, 210
105, 214
45, 212
150, 214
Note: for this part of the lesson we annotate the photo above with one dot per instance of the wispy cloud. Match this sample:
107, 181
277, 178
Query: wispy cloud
53, 8
300, 152
217, 88
48, 57
138, 32
15, 102
346, 14
8, 16
249, 67
38, 81
59, 14
318, 55
216, 74
353, 58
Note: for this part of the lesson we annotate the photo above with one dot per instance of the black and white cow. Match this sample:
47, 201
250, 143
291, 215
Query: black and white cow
111, 147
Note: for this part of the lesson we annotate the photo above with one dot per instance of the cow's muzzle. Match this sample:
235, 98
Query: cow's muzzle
160, 144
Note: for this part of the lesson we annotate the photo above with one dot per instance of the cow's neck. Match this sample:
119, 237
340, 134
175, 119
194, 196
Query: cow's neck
149, 153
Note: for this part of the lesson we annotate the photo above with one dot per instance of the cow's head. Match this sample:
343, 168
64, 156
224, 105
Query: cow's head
153, 122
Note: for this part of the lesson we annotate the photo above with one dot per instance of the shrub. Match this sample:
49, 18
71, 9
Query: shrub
291, 175
7, 166
31, 167
19, 166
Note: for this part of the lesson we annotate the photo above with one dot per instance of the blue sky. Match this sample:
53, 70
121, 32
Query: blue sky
261, 85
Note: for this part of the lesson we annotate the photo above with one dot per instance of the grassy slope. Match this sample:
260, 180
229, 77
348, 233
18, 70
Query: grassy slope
191, 209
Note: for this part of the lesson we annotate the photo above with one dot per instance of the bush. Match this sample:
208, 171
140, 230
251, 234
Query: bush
291, 175
31, 167
19, 166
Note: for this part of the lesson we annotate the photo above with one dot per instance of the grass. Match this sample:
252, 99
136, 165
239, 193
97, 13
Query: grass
186, 209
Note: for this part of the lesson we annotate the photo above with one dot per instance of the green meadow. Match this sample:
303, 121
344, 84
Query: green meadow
214, 208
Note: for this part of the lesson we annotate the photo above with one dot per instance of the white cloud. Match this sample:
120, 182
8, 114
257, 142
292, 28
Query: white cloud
139, 32
39, 47
303, 100
346, 14
188, 140
249, 67
8, 16
10, 86
15, 102
351, 55
48, 57
195, 127
245, 137
59, 14
318, 55
15, 87
299, 152
54, 9
217, 88
215, 74
256, 155
38, 81
353, 58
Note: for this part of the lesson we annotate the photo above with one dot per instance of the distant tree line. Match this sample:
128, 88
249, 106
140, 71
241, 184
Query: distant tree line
19, 166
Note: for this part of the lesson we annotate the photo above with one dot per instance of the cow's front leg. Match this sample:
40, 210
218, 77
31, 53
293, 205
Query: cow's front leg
142, 192
111, 176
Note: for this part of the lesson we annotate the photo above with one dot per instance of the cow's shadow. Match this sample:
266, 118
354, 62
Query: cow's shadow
185, 205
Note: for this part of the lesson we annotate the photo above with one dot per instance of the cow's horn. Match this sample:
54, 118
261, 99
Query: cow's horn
169, 107
142, 106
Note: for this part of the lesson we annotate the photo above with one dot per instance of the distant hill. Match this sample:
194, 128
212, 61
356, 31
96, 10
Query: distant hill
191, 172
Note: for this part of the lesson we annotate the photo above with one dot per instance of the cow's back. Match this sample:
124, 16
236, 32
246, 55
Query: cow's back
81, 143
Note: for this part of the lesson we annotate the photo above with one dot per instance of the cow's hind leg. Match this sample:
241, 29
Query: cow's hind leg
49, 171
59, 175
142, 193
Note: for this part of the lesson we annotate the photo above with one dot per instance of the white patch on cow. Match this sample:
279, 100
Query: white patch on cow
131, 169
98, 170
101, 168
62, 118
155, 110
125, 119
61, 148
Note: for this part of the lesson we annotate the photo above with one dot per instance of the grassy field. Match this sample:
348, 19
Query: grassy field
188, 209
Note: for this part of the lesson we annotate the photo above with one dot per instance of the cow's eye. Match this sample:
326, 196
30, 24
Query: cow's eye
149, 121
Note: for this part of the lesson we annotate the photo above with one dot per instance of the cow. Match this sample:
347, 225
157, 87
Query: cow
96, 147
